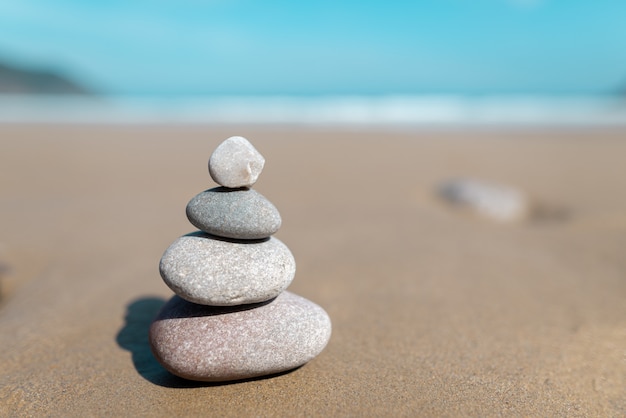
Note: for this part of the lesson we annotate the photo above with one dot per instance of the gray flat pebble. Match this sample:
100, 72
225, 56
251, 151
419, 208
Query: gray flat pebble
236, 163
234, 213
211, 271
219, 344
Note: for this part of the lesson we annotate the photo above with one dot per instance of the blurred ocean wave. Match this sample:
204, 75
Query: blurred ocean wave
384, 111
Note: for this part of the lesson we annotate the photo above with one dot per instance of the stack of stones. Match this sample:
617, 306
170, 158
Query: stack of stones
231, 317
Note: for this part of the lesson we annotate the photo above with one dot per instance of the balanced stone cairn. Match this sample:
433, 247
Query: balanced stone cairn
231, 317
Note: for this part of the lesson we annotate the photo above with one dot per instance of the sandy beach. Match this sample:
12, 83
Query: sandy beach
436, 312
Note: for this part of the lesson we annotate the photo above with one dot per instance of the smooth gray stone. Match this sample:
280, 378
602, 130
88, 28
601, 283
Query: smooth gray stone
234, 213
236, 163
212, 271
210, 343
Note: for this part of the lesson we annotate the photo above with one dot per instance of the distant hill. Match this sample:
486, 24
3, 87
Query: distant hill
15, 80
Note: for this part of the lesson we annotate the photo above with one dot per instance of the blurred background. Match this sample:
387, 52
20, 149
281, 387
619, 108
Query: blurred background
349, 62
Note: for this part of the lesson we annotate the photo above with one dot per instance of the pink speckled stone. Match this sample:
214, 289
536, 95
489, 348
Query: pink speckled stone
211, 343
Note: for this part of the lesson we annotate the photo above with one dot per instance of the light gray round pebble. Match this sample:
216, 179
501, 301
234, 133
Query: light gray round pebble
210, 343
236, 163
234, 213
212, 271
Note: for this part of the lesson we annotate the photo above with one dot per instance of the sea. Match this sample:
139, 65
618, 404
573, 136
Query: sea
333, 111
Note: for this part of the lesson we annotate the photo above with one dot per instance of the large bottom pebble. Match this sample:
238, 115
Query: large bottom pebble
213, 343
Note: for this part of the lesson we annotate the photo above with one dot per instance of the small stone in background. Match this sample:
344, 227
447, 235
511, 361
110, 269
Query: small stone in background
236, 163
496, 202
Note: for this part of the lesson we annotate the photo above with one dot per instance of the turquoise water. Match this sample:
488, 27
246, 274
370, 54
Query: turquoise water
384, 111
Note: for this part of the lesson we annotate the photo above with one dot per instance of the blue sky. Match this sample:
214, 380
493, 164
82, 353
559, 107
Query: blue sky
325, 46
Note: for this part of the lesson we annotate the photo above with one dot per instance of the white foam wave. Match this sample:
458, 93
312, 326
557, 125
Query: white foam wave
343, 110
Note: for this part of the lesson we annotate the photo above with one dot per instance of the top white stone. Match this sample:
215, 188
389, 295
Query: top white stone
236, 163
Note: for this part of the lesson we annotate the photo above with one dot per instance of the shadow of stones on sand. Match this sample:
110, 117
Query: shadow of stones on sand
134, 337
542, 213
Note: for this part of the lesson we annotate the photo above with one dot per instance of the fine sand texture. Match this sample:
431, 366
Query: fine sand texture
436, 312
